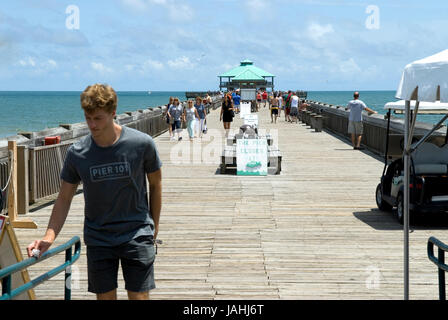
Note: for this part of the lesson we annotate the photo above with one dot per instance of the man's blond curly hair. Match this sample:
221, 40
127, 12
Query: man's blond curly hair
99, 97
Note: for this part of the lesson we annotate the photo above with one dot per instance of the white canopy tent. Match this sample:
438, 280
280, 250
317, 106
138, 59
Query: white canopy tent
424, 80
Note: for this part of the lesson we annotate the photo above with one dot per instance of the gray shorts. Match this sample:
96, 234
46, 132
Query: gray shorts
355, 127
294, 112
137, 261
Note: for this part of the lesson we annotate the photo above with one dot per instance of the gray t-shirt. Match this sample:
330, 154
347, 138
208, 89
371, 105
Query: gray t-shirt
114, 182
356, 107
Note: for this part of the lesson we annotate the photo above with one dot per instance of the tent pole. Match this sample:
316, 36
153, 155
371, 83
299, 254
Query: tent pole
406, 202
414, 117
387, 142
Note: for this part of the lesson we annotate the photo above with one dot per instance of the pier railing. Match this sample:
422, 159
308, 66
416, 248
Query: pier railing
439, 261
9, 293
335, 120
45, 167
39, 166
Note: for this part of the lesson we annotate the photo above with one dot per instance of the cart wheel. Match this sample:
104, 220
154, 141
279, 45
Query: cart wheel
382, 205
400, 208
222, 168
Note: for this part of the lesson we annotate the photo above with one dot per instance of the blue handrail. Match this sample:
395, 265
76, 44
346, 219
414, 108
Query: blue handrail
439, 262
6, 273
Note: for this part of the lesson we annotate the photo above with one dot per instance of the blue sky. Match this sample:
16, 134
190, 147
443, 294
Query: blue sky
183, 45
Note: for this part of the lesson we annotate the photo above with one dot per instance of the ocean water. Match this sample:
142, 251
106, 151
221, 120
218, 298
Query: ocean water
38, 110
373, 99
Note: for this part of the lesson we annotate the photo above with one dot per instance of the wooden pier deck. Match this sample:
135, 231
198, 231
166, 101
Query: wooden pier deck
312, 232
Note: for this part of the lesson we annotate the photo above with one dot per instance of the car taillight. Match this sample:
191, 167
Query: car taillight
417, 186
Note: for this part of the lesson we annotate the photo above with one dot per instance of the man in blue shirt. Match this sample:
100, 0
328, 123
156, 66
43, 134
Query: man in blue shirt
355, 127
236, 100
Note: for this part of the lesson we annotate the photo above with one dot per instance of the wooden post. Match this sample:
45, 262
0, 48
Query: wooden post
22, 183
13, 193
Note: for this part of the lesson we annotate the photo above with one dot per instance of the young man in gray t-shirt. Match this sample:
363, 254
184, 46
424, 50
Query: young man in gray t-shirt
113, 163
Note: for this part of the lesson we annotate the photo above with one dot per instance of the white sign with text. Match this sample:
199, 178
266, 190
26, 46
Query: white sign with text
252, 157
244, 109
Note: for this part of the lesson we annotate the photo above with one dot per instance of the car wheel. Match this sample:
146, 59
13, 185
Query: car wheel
400, 208
382, 205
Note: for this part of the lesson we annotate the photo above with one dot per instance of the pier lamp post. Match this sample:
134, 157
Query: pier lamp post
422, 80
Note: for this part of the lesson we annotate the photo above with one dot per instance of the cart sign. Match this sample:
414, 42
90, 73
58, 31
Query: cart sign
251, 120
252, 157
244, 109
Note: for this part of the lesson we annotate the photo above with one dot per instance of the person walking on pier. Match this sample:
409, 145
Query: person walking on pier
227, 113
190, 114
280, 103
168, 118
294, 108
113, 163
274, 108
264, 96
175, 112
202, 116
355, 126
236, 100
288, 105
258, 99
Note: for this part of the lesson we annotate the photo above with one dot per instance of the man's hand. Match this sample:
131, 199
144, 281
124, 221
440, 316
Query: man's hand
41, 245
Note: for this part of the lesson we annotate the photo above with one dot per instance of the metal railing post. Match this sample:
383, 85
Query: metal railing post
442, 294
439, 262
68, 275
6, 285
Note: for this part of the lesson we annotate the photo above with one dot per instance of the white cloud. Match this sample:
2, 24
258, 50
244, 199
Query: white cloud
176, 10
258, 5
257, 9
349, 67
36, 64
27, 62
98, 66
135, 4
51, 63
152, 64
179, 11
181, 63
317, 31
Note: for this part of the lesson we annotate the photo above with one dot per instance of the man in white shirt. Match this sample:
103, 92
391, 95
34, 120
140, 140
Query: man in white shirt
355, 126
294, 108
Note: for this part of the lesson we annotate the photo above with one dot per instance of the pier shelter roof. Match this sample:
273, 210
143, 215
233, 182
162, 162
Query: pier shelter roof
246, 75
251, 72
